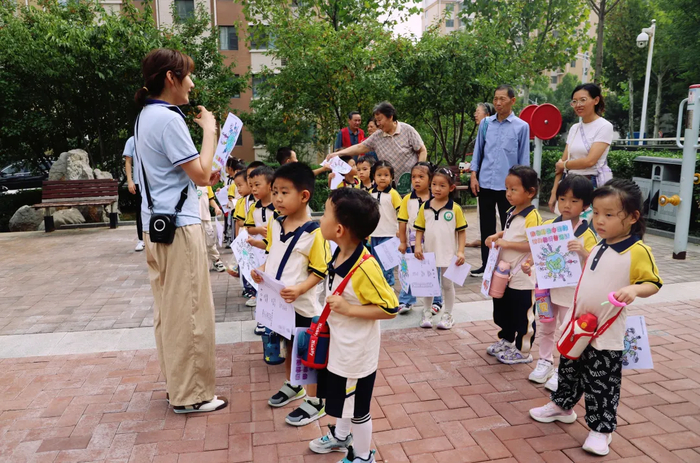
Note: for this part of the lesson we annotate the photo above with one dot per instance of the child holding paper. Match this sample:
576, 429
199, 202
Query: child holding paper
349, 180
298, 254
573, 197
347, 382
622, 264
441, 228
260, 180
514, 313
239, 214
389, 201
421, 175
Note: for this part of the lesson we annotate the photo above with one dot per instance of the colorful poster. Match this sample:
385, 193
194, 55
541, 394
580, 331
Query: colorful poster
227, 141
555, 266
272, 311
247, 257
301, 374
491, 263
637, 354
422, 275
403, 274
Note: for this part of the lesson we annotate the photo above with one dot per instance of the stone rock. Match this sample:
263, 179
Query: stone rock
67, 217
72, 165
94, 213
26, 218
100, 174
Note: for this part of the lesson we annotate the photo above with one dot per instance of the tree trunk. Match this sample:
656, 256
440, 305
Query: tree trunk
599, 43
630, 89
657, 109
526, 94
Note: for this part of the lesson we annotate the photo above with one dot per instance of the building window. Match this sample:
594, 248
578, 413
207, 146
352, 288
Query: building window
555, 79
261, 38
257, 81
228, 38
185, 9
239, 142
573, 64
449, 9
237, 95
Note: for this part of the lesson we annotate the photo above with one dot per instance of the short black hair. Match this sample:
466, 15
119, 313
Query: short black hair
368, 159
241, 173
265, 171
347, 158
527, 176
355, 210
630, 197
579, 185
299, 174
508, 88
387, 110
255, 165
353, 113
283, 154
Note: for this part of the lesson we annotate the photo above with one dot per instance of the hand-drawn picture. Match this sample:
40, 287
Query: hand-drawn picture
636, 354
403, 275
556, 262
227, 141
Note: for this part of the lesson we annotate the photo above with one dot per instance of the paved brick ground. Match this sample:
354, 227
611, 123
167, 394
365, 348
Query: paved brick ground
438, 398
91, 279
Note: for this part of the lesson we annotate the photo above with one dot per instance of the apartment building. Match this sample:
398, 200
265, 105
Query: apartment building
433, 10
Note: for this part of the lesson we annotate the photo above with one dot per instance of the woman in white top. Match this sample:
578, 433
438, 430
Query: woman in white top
588, 142
170, 166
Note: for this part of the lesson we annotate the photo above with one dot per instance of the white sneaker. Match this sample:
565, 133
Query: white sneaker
252, 302
427, 321
404, 308
140, 246
552, 412
597, 443
542, 371
446, 323
219, 266
499, 346
217, 403
552, 383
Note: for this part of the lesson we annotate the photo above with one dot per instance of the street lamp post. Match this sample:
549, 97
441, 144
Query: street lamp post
646, 36
586, 65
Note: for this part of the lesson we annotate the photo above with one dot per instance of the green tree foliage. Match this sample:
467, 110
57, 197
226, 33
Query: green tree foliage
68, 74
439, 81
543, 34
332, 54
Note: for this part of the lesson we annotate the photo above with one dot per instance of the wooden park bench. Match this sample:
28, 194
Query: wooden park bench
75, 193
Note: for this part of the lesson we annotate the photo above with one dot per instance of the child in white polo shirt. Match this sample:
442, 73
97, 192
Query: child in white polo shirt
441, 223
621, 263
389, 202
348, 381
297, 256
514, 313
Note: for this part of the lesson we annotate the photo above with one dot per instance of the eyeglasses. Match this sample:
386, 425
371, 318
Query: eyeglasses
580, 102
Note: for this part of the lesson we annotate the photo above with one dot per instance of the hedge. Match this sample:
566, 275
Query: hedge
621, 162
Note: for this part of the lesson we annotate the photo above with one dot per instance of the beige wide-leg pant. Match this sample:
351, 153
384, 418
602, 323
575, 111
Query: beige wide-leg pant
183, 315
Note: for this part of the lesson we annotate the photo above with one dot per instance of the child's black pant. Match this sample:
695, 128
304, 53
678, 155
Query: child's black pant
514, 313
598, 374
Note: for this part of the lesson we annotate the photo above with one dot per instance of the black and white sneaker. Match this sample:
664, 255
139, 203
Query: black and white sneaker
259, 329
309, 411
478, 272
286, 394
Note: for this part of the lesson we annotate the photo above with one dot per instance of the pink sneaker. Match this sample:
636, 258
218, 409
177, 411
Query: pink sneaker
597, 443
552, 412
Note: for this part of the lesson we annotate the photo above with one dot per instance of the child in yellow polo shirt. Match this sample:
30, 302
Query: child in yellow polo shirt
573, 198
441, 228
297, 256
621, 263
347, 383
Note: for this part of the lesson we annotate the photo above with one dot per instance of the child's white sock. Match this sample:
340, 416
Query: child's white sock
342, 428
362, 436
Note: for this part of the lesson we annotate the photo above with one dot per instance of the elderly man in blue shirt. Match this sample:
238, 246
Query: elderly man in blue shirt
504, 144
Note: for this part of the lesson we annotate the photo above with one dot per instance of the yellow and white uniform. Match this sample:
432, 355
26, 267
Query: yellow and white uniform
408, 211
515, 232
440, 229
389, 203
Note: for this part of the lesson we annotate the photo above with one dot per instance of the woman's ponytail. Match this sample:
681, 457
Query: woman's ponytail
155, 67
140, 97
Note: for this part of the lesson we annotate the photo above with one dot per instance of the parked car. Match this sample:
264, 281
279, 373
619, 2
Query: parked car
21, 175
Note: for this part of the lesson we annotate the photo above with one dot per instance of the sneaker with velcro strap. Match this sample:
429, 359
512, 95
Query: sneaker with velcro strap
259, 329
352, 458
286, 394
309, 411
217, 403
330, 443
